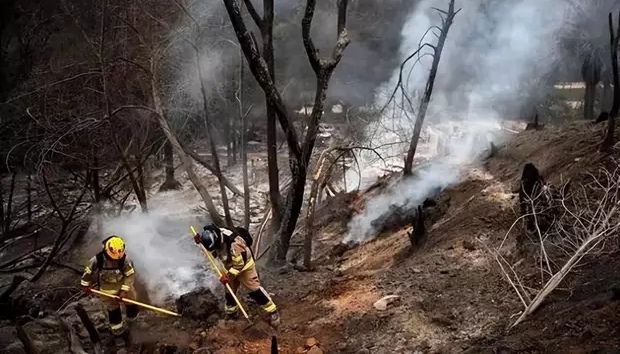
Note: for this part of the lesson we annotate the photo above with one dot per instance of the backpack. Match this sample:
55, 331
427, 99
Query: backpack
100, 261
245, 235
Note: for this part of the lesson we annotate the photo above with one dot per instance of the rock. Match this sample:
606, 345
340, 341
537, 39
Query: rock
416, 270
383, 303
300, 350
315, 350
193, 346
9, 341
469, 245
203, 334
311, 342
200, 304
47, 335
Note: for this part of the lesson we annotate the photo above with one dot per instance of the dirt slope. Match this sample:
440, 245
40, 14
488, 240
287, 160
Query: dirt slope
452, 297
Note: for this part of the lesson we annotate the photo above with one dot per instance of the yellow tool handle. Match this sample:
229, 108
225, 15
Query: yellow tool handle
133, 302
219, 273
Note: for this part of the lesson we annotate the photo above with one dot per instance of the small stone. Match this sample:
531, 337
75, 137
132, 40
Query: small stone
416, 270
203, 334
311, 342
193, 346
315, 350
300, 350
383, 303
469, 245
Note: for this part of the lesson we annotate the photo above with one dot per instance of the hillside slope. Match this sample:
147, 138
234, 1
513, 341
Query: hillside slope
452, 296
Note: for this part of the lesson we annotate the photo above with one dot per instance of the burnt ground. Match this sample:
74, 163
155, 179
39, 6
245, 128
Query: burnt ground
452, 296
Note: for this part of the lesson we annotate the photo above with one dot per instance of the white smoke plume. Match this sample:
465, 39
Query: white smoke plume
495, 57
166, 259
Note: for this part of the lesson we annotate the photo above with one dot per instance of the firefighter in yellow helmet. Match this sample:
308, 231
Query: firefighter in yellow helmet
112, 272
232, 247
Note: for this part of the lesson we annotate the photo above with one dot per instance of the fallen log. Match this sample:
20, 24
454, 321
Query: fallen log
76, 346
93, 334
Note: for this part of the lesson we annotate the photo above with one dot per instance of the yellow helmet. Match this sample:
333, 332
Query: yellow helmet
114, 247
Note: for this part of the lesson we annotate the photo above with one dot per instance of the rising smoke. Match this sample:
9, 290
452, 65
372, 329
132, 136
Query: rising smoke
494, 63
159, 243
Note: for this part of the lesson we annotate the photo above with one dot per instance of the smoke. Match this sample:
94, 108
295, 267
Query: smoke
166, 259
495, 62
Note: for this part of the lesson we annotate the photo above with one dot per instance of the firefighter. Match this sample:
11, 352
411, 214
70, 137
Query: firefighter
232, 247
112, 272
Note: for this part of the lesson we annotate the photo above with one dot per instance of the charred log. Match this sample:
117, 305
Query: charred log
93, 334
417, 235
603, 117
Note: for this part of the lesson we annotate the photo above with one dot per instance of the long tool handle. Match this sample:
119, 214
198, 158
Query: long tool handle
219, 273
133, 302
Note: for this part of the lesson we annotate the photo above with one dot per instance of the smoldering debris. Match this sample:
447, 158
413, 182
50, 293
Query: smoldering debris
404, 194
200, 304
159, 243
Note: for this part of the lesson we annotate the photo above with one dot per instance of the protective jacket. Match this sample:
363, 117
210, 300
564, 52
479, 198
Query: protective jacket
240, 259
109, 275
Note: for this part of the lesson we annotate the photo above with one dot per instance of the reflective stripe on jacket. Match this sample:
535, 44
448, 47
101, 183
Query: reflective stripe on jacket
110, 278
240, 257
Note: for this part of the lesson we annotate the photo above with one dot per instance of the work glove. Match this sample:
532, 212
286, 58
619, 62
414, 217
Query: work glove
197, 239
225, 278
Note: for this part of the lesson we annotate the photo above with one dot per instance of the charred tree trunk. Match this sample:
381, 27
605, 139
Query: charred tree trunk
298, 154
588, 105
417, 129
614, 40
186, 160
531, 183
323, 70
29, 197
272, 140
229, 142
244, 152
95, 183
210, 136
266, 29
135, 180
6, 213
231, 187
417, 236
607, 94
140, 179
317, 178
170, 183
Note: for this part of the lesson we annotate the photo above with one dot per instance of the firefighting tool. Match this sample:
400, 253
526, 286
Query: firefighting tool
219, 274
133, 302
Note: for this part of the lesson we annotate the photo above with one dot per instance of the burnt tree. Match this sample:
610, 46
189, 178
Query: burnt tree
300, 151
591, 74
170, 183
265, 25
614, 39
417, 235
530, 188
446, 19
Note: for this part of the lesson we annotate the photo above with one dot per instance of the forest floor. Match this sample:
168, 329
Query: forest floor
452, 298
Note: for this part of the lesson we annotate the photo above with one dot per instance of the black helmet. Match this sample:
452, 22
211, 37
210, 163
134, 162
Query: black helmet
211, 237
